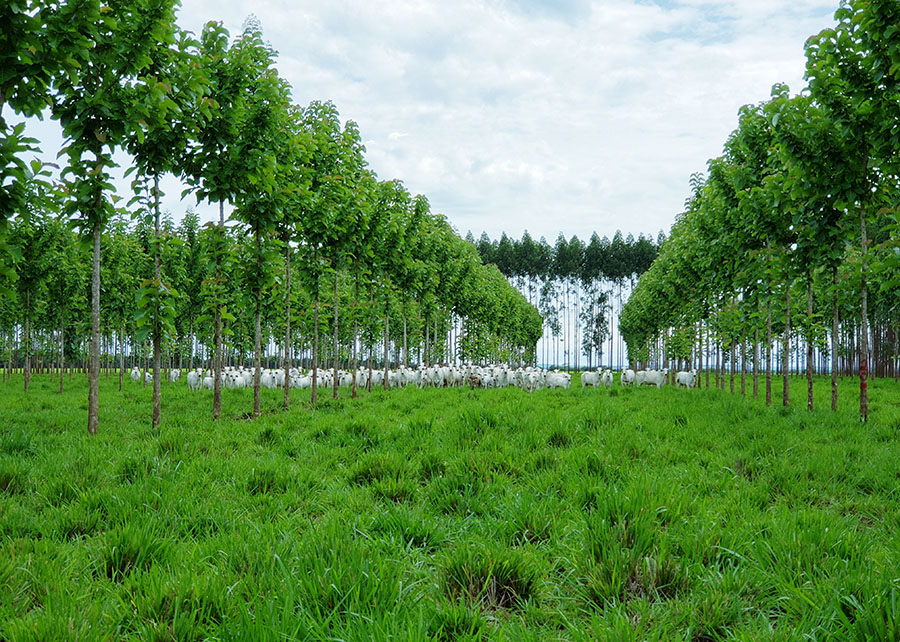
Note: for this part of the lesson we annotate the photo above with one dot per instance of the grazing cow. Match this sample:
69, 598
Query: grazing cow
656, 377
685, 379
627, 378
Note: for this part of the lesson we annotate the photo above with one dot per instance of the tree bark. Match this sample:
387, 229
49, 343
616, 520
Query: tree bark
756, 362
743, 363
27, 342
353, 392
287, 324
315, 355
62, 347
733, 352
371, 337
94, 366
864, 327
786, 346
387, 321
219, 357
335, 383
257, 337
809, 343
157, 330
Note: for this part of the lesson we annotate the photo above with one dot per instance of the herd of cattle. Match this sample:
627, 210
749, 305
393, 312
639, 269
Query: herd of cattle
496, 376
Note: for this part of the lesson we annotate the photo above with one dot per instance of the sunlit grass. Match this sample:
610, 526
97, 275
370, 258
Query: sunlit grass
449, 515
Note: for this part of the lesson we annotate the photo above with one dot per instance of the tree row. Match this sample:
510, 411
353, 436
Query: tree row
213, 110
794, 230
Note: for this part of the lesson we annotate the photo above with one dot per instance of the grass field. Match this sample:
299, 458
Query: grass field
449, 515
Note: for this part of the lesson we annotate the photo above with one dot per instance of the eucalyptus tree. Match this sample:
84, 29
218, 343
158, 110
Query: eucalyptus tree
849, 76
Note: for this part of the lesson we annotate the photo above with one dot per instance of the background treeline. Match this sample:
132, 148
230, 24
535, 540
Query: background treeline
122, 78
794, 232
578, 287
46, 319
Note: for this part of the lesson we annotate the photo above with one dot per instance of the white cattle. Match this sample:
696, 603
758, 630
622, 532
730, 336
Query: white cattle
685, 379
656, 377
267, 379
193, 380
639, 378
627, 378
135, 374
590, 379
208, 382
557, 380
148, 377
174, 375
606, 378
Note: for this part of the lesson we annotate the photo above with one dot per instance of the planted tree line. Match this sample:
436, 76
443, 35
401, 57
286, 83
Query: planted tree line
789, 248
578, 287
313, 239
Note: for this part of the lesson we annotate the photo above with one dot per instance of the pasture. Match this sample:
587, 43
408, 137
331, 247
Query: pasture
449, 515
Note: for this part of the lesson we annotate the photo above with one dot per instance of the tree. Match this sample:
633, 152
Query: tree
213, 167
169, 95
847, 74
259, 198
97, 107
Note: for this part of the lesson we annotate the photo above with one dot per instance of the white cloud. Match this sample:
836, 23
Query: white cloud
511, 114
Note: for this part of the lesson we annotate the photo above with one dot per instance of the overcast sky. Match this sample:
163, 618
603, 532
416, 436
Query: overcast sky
569, 116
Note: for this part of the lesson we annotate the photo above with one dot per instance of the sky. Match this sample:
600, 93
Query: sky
572, 117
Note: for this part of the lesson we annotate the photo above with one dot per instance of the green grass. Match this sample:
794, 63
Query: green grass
449, 515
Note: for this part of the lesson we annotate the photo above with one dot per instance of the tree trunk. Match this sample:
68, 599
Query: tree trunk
121, 356
257, 336
62, 347
353, 392
315, 355
425, 356
864, 327
756, 362
27, 341
768, 352
218, 360
287, 324
387, 321
743, 363
371, 337
786, 346
335, 383
94, 368
157, 330
809, 343
732, 353
405, 346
